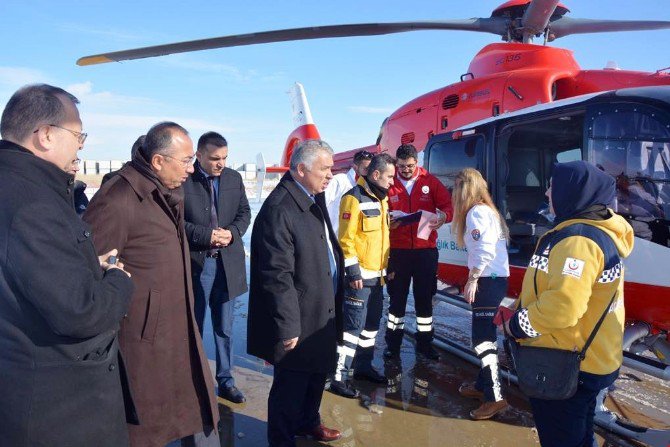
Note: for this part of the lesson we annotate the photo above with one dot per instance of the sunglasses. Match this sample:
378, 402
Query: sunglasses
363, 155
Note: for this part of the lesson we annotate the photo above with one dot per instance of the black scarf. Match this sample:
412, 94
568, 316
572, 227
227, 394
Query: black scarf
378, 191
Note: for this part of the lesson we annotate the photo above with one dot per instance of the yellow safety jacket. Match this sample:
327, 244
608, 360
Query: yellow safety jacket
578, 271
364, 233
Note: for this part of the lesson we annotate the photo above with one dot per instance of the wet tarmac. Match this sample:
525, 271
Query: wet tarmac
421, 407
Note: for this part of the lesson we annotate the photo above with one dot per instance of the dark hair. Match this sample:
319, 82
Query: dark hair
362, 155
159, 138
32, 106
406, 151
137, 145
212, 138
380, 162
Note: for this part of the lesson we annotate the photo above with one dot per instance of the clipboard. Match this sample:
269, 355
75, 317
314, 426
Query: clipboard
406, 219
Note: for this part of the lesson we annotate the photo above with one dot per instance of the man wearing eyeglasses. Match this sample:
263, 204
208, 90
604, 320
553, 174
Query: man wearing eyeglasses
141, 211
413, 259
60, 304
217, 216
78, 189
342, 183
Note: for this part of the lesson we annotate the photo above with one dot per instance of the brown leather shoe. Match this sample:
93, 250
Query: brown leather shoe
321, 433
488, 409
468, 389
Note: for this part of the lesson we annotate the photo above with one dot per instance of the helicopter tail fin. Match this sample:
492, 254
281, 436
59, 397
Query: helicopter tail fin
304, 127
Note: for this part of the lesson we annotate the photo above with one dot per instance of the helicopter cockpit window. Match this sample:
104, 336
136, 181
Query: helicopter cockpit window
448, 158
634, 147
524, 169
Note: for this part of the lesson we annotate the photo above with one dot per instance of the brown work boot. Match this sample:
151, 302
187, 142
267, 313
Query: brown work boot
488, 409
468, 389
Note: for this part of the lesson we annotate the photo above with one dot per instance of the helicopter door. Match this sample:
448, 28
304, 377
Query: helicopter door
526, 153
445, 157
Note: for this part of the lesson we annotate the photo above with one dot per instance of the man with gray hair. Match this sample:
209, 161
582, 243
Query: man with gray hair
60, 304
295, 299
141, 211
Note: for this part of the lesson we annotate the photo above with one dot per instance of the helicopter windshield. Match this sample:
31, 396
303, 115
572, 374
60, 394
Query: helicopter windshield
634, 147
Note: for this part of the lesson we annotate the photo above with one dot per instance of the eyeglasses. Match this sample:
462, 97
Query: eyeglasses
405, 167
184, 163
363, 155
80, 136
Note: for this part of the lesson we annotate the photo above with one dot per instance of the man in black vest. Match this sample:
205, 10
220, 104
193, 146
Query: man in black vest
217, 215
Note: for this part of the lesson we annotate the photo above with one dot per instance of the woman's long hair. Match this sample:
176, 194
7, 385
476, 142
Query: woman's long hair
470, 189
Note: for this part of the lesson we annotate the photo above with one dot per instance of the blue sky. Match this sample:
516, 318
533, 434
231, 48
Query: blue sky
352, 84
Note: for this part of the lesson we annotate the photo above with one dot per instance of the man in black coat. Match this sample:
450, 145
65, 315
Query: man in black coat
217, 215
295, 301
60, 305
78, 189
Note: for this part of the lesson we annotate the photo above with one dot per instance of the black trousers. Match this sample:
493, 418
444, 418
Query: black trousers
293, 404
490, 292
569, 422
418, 266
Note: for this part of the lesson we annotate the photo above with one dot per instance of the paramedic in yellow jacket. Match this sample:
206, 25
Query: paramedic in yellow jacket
364, 237
575, 271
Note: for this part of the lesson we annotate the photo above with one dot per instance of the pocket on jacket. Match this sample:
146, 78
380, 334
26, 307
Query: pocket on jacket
372, 223
151, 321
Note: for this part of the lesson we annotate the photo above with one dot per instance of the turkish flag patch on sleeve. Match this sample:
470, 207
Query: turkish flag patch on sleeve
346, 216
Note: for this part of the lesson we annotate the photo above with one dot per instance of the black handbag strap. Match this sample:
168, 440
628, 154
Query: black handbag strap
582, 354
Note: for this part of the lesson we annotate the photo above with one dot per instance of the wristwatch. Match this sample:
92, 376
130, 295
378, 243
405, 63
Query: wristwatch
474, 277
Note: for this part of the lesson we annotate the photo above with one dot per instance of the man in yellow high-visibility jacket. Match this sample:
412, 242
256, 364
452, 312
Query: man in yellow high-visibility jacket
364, 238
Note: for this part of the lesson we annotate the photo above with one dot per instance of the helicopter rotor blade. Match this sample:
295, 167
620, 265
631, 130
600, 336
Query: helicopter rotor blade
566, 26
494, 25
536, 18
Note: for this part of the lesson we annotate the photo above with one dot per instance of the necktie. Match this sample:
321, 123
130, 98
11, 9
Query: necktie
213, 218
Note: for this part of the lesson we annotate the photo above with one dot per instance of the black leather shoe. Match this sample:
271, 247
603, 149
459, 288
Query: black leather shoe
428, 352
343, 389
371, 376
232, 394
391, 354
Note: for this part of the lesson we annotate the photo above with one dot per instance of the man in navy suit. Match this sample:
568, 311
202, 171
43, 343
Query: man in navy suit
217, 215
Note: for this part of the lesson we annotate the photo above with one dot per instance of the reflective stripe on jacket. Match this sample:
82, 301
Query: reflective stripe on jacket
364, 233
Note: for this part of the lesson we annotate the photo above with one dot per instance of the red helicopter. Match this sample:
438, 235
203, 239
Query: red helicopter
519, 108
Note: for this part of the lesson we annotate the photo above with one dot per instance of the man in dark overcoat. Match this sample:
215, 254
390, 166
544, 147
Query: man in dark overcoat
217, 215
295, 299
140, 211
60, 305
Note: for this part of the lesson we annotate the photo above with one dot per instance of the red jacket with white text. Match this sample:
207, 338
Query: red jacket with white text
428, 194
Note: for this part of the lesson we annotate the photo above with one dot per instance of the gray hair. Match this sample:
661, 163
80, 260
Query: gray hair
159, 138
380, 162
33, 106
307, 151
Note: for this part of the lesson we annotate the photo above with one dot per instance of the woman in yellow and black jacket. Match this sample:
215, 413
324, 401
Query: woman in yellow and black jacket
575, 271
